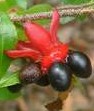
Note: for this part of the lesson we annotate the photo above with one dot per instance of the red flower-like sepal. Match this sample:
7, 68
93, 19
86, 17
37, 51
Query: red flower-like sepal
42, 45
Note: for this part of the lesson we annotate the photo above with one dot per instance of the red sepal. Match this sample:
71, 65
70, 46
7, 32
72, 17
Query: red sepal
38, 36
23, 53
54, 26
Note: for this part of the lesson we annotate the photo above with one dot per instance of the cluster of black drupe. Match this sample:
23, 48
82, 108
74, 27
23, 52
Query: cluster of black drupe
59, 75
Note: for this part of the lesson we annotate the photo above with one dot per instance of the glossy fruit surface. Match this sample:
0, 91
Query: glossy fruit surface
43, 81
60, 76
80, 64
30, 74
15, 88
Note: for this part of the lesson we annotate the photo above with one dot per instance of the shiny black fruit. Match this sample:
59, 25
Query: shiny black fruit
80, 64
60, 76
43, 81
15, 88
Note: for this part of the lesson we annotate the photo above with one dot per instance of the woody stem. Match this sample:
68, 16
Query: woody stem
62, 10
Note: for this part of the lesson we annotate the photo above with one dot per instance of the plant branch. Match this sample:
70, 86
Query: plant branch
81, 6
64, 11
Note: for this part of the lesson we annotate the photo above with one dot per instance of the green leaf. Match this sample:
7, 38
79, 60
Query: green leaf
19, 3
75, 1
36, 9
8, 39
12, 76
5, 94
80, 18
39, 8
3, 6
9, 79
20, 32
65, 20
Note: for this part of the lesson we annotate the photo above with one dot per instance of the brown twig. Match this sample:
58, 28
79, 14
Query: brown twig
67, 11
81, 6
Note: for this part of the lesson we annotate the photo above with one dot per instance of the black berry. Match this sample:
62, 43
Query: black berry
43, 81
60, 76
30, 74
15, 88
80, 64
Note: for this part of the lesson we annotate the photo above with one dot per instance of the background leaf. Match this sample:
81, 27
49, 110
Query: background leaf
17, 3
3, 6
75, 1
65, 20
20, 32
8, 39
36, 9
12, 75
5, 94
9, 79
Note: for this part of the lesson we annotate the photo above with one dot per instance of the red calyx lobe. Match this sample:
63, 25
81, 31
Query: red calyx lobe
51, 49
42, 44
56, 54
38, 36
